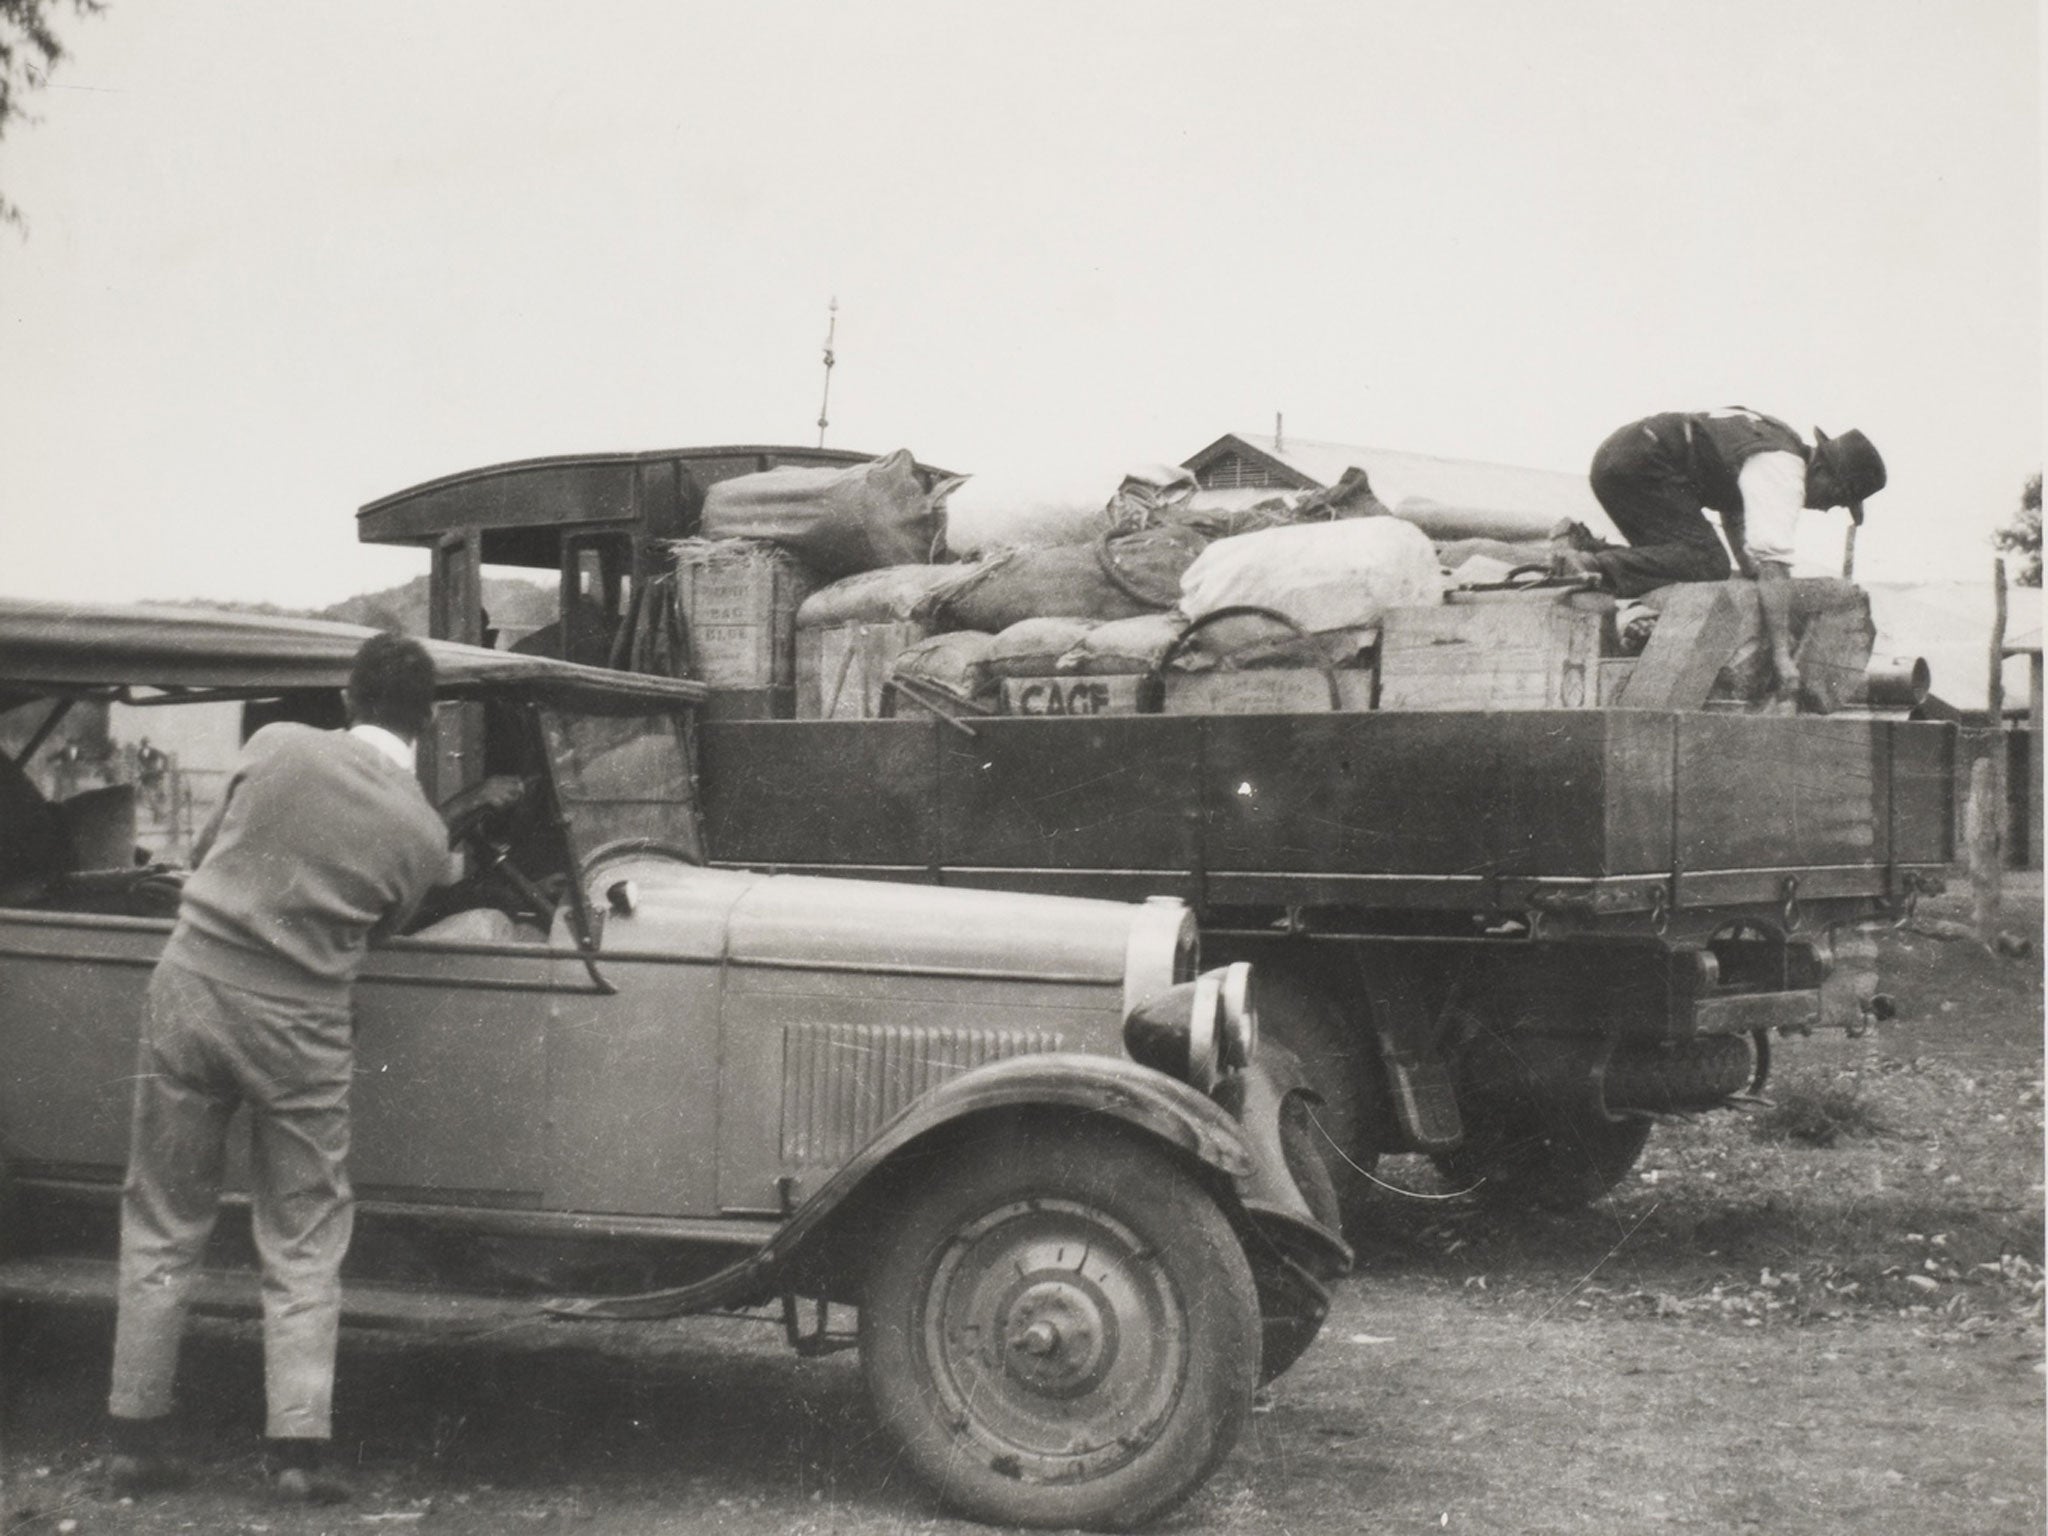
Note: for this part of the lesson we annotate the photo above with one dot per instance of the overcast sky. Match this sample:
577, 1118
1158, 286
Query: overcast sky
285, 258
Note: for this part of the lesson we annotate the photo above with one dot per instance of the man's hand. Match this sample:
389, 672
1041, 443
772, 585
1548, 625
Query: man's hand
1573, 562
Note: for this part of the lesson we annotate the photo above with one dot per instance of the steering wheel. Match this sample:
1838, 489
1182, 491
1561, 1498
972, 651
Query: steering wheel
480, 823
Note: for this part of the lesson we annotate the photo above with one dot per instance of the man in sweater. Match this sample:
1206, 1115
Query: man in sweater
1656, 477
323, 839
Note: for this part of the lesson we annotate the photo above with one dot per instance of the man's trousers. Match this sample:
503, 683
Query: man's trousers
1643, 478
206, 1048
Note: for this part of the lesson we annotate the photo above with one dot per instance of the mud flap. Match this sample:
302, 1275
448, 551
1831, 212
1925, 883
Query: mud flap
1418, 1077
1292, 1307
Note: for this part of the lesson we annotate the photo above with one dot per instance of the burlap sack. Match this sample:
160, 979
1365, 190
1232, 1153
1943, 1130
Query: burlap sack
1125, 647
894, 594
952, 667
1033, 647
837, 521
1117, 577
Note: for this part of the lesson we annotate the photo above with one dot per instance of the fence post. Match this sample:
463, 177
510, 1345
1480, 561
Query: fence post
1987, 810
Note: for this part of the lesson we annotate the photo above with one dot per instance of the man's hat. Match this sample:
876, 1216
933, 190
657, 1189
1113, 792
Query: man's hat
1857, 469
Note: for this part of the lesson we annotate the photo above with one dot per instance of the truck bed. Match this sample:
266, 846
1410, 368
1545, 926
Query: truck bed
1457, 811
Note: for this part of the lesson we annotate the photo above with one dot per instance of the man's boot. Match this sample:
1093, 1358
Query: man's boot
139, 1460
298, 1473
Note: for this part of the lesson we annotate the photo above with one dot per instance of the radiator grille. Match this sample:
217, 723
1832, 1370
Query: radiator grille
842, 1082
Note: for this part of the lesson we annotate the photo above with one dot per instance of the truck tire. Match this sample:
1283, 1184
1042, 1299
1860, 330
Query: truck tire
1517, 1157
1302, 1013
1063, 1332
1686, 1074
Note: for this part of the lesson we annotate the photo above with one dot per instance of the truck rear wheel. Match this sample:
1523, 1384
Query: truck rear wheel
1063, 1332
1301, 1013
1516, 1156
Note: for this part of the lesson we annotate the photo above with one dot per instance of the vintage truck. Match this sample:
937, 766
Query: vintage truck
1508, 939
1044, 1156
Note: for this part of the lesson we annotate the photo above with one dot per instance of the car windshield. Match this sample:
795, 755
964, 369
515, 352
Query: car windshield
623, 780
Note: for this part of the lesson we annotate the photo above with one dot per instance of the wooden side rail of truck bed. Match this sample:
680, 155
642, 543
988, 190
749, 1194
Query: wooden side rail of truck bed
1593, 818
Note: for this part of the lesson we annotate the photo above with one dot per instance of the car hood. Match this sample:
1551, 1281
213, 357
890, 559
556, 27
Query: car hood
813, 922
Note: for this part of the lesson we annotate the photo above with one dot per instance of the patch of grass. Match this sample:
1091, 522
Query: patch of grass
1820, 1117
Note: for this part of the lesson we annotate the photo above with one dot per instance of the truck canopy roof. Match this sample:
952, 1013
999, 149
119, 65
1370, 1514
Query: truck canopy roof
520, 510
85, 647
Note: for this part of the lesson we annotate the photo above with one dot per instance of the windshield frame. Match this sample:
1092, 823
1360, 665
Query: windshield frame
623, 782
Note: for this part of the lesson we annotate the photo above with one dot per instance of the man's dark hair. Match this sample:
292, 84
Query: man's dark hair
392, 685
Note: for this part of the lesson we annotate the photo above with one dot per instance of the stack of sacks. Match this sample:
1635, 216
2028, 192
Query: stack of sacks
767, 539
1122, 604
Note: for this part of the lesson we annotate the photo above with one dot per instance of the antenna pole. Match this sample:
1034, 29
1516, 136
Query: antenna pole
831, 330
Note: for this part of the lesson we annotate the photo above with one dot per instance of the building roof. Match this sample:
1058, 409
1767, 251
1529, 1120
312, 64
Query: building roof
1510, 501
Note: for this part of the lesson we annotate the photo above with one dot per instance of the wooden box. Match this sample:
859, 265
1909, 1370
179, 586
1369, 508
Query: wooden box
841, 669
1615, 672
1071, 694
1493, 651
738, 599
1267, 691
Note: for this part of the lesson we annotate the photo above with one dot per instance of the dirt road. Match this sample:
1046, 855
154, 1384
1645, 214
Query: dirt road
1822, 1319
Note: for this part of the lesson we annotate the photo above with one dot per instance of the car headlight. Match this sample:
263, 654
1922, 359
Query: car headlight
1199, 1030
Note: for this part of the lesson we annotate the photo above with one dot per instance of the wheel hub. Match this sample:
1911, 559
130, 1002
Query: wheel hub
1056, 1341
1060, 1335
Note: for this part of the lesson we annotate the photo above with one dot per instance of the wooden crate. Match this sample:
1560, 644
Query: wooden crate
841, 669
1069, 694
1615, 672
738, 599
1530, 651
1266, 691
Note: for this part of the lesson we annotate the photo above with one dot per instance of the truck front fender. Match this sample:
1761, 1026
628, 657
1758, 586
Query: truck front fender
1148, 1101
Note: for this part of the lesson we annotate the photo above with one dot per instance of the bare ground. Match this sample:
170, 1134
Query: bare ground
1821, 1318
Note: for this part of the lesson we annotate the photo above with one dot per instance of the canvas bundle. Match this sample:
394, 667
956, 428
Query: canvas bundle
1322, 576
1248, 641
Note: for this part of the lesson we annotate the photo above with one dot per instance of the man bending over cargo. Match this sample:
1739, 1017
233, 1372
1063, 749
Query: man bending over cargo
323, 838
1656, 476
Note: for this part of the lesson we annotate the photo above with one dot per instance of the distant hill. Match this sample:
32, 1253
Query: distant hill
514, 605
